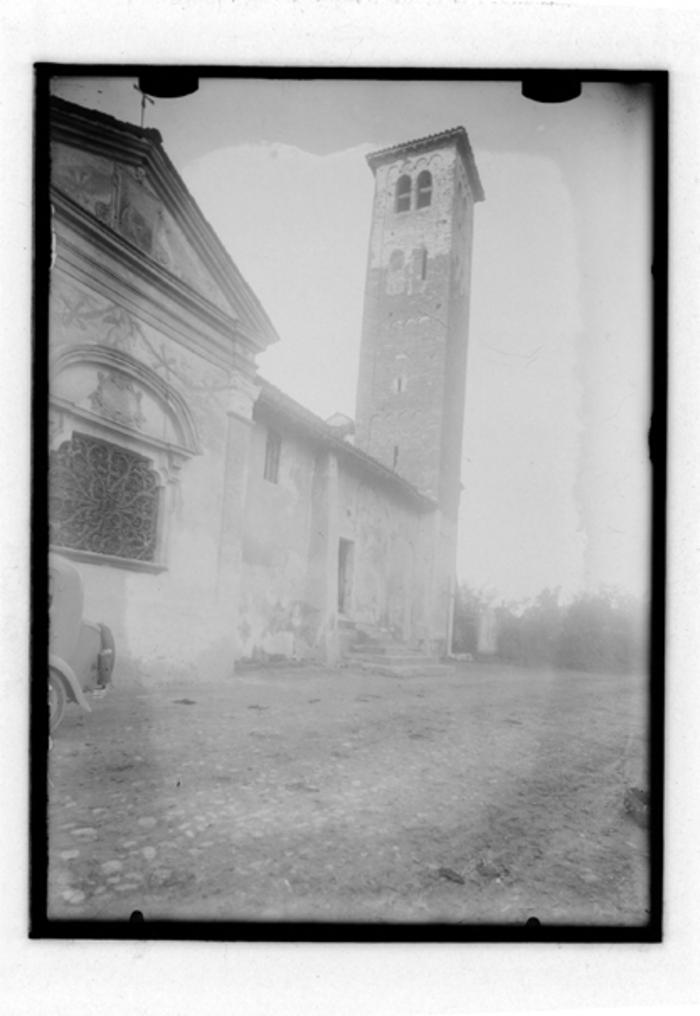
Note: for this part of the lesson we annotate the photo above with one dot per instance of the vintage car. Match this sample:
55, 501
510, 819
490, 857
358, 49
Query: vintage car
81, 653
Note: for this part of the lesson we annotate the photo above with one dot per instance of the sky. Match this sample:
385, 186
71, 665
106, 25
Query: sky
555, 468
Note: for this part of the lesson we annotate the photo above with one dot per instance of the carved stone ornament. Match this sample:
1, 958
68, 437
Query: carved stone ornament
173, 466
56, 424
103, 499
135, 227
117, 399
161, 256
242, 397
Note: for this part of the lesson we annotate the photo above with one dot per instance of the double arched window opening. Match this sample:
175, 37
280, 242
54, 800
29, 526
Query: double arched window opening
403, 194
424, 191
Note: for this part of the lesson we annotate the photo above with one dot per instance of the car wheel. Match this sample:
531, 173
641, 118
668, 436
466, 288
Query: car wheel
57, 699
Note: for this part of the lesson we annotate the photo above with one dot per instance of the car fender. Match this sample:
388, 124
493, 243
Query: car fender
107, 656
71, 680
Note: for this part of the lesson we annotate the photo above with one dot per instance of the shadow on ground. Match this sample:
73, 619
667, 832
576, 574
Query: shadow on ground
494, 794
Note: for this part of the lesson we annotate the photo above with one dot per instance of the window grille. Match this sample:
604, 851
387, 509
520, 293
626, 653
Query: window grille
403, 194
425, 189
103, 499
272, 457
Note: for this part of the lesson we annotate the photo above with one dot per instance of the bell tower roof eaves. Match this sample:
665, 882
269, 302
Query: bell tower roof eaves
456, 135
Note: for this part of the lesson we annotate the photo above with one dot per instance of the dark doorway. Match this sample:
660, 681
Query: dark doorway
346, 549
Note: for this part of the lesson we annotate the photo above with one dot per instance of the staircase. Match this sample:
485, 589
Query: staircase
375, 650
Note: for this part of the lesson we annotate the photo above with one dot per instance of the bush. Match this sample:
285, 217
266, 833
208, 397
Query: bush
468, 606
596, 632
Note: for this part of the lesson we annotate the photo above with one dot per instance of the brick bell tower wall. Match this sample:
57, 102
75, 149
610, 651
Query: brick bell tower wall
411, 390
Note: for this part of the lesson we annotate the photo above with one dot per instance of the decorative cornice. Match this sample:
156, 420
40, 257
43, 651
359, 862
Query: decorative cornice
111, 243
243, 394
104, 135
109, 560
115, 359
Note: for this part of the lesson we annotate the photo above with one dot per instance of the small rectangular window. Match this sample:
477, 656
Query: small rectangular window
272, 457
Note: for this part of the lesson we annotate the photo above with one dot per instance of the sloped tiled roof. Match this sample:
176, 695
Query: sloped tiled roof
97, 116
277, 402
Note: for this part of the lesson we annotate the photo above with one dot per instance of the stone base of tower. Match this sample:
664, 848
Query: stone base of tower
434, 636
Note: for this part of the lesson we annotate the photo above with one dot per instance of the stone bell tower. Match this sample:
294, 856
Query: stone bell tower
410, 398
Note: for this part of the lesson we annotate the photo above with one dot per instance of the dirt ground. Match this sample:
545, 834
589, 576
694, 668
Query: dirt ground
493, 794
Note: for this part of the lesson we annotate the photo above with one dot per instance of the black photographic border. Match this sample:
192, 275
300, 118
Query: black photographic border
546, 83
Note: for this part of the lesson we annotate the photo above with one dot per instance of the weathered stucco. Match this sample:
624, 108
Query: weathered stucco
275, 617
293, 529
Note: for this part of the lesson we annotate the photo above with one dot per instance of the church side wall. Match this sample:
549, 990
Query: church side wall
289, 599
278, 614
391, 557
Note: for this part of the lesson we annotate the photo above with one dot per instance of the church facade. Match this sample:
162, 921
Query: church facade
212, 517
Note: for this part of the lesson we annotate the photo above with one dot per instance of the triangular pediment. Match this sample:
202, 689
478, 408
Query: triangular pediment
120, 175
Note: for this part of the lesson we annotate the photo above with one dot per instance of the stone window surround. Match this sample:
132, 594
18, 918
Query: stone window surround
166, 458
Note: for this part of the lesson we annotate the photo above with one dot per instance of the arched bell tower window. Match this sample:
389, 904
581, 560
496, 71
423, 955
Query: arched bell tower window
403, 194
425, 189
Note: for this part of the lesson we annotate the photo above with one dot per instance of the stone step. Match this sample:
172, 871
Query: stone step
408, 670
371, 648
377, 635
374, 640
396, 659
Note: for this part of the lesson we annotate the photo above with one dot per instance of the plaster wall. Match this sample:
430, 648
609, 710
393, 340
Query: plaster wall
391, 557
290, 570
168, 621
279, 613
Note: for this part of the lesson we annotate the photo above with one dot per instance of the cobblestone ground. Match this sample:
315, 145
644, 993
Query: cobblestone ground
494, 794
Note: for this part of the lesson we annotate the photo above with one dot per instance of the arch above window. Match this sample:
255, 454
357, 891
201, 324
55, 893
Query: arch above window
122, 395
403, 193
425, 189
119, 436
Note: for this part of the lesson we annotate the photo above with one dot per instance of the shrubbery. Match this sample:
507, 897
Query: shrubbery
602, 632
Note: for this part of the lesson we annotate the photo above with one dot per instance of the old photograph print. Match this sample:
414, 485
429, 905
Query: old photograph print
349, 500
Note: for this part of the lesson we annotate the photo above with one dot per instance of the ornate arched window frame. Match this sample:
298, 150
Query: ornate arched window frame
108, 422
